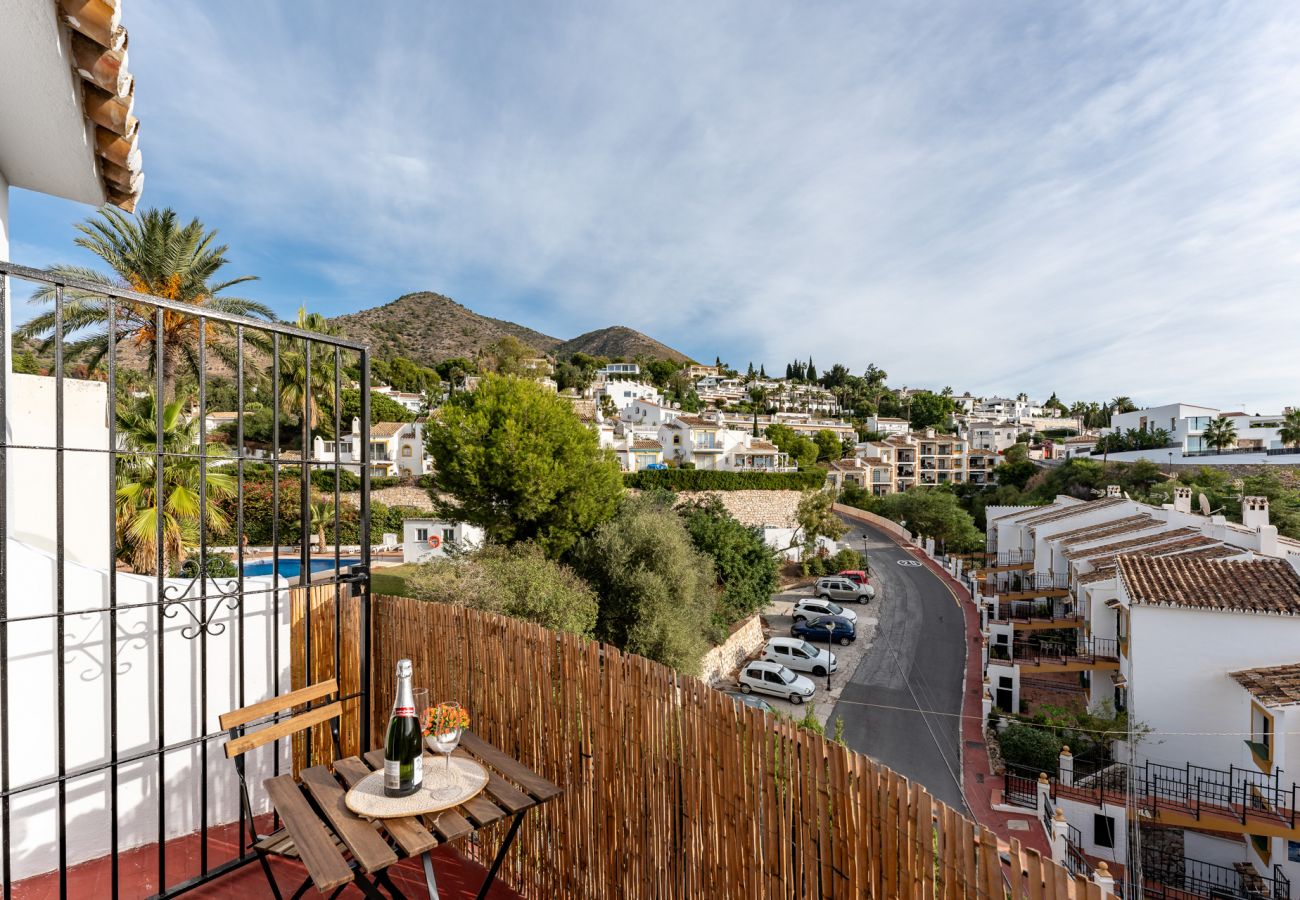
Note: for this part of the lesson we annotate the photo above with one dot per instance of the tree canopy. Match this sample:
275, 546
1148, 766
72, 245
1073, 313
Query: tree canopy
516, 461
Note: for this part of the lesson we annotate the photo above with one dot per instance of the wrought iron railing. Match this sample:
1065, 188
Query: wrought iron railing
1167, 877
1243, 795
1045, 609
119, 727
1049, 652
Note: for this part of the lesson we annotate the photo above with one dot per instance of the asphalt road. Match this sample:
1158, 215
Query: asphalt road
914, 663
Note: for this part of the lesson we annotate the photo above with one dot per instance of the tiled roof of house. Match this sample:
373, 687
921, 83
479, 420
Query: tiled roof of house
1261, 585
386, 429
98, 43
847, 465
1272, 686
1059, 514
697, 422
1102, 551
1071, 539
641, 444
584, 409
762, 446
1194, 547
1057, 504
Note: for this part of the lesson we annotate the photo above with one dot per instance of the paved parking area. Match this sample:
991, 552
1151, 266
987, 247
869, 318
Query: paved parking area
777, 621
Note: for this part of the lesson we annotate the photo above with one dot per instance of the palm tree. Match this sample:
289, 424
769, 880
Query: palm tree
757, 397
1122, 404
138, 504
322, 513
1290, 430
1221, 433
152, 254
298, 387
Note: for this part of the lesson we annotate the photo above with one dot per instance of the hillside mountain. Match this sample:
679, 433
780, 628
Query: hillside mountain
618, 340
429, 328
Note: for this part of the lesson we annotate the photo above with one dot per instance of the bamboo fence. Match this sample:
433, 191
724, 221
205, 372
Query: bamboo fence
673, 790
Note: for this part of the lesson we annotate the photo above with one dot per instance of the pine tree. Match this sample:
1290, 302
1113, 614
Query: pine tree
750, 372
812, 370
717, 363
789, 371
762, 372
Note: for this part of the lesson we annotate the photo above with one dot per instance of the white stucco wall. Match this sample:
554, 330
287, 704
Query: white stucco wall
413, 550
141, 670
1179, 660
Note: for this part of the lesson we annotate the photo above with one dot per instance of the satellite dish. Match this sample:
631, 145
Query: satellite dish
1204, 503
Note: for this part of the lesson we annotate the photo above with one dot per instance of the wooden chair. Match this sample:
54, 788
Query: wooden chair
270, 724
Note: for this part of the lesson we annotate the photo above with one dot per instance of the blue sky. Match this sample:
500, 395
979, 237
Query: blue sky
1088, 198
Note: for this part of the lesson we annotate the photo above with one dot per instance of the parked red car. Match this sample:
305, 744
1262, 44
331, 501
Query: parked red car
857, 576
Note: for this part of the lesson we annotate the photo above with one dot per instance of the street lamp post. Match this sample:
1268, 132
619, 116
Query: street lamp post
830, 634
1171, 464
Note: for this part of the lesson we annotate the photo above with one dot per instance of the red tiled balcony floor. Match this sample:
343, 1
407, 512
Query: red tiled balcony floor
458, 877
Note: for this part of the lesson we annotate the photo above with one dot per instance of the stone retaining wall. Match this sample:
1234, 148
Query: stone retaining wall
723, 660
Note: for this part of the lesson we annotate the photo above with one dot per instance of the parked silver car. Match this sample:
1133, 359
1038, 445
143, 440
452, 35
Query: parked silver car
845, 590
798, 654
811, 608
775, 679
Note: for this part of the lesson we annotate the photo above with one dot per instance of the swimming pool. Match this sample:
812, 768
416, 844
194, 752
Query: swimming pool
291, 566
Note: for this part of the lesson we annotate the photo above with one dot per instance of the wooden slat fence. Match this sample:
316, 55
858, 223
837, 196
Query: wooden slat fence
672, 790
334, 612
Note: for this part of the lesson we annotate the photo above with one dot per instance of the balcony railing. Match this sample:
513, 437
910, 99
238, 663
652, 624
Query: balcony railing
1047, 653
1180, 877
1214, 796
1045, 610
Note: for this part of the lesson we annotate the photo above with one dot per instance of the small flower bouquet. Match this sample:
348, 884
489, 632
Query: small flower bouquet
445, 718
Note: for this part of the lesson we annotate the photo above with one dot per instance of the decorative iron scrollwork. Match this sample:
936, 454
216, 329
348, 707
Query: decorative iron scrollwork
177, 597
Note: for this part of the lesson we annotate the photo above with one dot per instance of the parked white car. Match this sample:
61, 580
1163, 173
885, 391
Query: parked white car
811, 608
799, 655
772, 678
840, 587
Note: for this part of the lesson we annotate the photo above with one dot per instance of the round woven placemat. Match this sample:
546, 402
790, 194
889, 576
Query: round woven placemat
441, 789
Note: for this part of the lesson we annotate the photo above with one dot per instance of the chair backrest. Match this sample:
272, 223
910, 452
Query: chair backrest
242, 739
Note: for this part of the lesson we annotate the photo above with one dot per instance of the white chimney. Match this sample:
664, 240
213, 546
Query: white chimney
1254, 512
1183, 500
1112, 490
356, 425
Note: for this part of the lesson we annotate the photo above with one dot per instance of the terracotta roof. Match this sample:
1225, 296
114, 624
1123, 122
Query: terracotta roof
1272, 686
1080, 439
1262, 585
696, 422
1078, 509
641, 444
584, 409
1196, 547
1147, 540
1102, 530
98, 43
762, 445
386, 429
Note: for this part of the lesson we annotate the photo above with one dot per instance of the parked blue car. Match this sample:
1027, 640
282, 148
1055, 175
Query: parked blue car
843, 632
656, 467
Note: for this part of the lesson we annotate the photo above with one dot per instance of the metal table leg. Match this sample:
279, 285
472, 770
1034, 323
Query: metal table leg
501, 855
429, 880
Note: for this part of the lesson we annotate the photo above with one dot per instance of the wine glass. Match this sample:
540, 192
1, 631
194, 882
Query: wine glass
442, 737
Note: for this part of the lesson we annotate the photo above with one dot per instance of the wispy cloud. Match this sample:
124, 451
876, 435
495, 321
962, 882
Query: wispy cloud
1092, 200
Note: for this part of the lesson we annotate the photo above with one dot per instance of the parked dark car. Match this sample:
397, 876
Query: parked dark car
843, 632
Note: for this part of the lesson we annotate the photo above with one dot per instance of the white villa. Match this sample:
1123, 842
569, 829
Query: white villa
396, 449
427, 539
1258, 436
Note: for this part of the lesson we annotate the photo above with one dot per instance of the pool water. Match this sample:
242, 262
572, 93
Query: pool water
291, 566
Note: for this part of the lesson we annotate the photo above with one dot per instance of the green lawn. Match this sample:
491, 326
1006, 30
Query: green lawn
390, 580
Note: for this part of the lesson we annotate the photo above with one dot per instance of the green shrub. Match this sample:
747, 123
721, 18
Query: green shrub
323, 480
683, 479
1031, 748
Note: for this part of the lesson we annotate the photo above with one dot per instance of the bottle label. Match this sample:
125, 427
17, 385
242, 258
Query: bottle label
404, 712
392, 774
418, 769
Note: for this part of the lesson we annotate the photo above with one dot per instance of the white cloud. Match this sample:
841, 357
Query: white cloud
1096, 202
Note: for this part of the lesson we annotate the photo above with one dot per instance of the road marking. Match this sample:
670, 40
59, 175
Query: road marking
910, 563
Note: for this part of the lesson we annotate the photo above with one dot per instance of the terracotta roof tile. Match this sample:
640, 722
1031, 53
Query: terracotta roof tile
1272, 686
1102, 530
386, 429
639, 444
1025, 511
1077, 509
762, 446
1147, 542
1262, 585
696, 422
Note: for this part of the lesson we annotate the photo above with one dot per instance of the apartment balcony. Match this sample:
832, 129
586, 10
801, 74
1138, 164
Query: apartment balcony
1084, 654
1017, 585
1027, 615
1182, 878
1232, 799
117, 676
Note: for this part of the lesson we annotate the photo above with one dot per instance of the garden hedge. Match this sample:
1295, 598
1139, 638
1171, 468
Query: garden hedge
709, 480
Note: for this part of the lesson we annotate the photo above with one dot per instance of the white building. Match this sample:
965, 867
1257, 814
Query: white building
887, 425
1258, 439
648, 413
412, 401
428, 539
1189, 623
619, 370
625, 393
396, 449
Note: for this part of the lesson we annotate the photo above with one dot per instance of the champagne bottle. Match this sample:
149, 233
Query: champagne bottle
403, 753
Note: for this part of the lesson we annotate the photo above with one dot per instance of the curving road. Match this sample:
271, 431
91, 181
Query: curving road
914, 664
